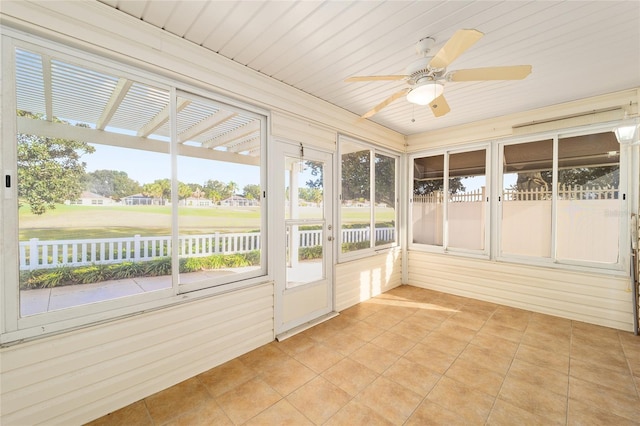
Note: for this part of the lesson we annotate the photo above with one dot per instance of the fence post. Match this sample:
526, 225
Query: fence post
136, 247
34, 256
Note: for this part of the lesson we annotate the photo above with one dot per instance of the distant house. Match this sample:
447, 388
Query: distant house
197, 202
239, 201
90, 199
355, 203
139, 200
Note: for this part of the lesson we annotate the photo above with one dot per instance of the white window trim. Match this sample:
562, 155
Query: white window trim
494, 221
14, 328
619, 268
371, 251
446, 152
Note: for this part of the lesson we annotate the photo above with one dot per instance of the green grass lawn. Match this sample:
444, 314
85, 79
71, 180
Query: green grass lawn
85, 222
80, 222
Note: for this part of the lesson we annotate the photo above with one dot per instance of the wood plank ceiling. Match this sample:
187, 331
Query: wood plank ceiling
577, 49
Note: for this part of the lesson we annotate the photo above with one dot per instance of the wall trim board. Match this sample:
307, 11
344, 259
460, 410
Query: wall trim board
576, 113
295, 129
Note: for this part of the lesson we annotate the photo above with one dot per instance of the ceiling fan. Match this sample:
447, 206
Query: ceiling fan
427, 76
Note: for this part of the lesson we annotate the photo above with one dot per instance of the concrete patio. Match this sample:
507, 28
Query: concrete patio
43, 300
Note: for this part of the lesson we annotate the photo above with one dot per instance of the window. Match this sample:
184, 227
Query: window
588, 197
526, 199
220, 219
117, 202
368, 213
561, 200
457, 220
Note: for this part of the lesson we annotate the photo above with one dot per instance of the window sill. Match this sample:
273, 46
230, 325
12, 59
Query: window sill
361, 254
65, 320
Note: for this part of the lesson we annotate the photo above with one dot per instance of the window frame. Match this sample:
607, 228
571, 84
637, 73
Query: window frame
444, 248
13, 327
373, 150
494, 212
624, 186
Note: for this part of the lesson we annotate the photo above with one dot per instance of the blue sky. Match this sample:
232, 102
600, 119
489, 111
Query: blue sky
145, 166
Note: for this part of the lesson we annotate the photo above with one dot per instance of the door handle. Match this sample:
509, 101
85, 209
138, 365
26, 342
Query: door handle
330, 238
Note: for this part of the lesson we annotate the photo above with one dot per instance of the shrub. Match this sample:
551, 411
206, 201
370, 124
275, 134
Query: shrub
158, 267
236, 261
91, 274
47, 278
306, 253
124, 270
191, 264
215, 261
253, 257
354, 246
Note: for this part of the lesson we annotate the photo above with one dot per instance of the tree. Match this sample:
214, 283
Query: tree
49, 169
232, 188
160, 188
356, 183
600, 176
215, 190
316, 171
385, 172
251, 192
111, 183
424, 187
184, 191
312, 195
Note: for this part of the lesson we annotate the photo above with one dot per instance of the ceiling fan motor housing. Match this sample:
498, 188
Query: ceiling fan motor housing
419, 70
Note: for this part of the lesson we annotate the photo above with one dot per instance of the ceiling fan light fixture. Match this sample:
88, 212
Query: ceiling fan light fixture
425, 92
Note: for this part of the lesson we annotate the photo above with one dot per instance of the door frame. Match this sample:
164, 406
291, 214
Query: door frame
284, 148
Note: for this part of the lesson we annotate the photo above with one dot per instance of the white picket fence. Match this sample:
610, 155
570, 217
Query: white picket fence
458, 197
565, 192
37, 254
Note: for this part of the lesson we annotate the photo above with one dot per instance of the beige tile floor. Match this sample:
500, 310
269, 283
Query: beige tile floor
416, 357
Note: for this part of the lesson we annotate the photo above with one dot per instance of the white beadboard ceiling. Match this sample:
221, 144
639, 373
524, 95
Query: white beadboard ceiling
577, 49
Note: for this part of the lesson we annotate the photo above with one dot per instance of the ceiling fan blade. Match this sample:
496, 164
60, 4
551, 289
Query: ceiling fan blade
375, 78
384, 103
515, 72
454, 47
439, 106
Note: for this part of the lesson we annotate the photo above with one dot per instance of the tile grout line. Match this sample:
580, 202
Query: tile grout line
513, 357
447, 369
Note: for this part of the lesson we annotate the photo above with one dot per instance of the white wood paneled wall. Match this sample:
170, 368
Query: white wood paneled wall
361, 279
79, 376
594, 298
582, 112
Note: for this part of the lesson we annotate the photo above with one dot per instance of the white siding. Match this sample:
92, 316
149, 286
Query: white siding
78, 376
303, 131
361, 279
594, 298
571, 114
